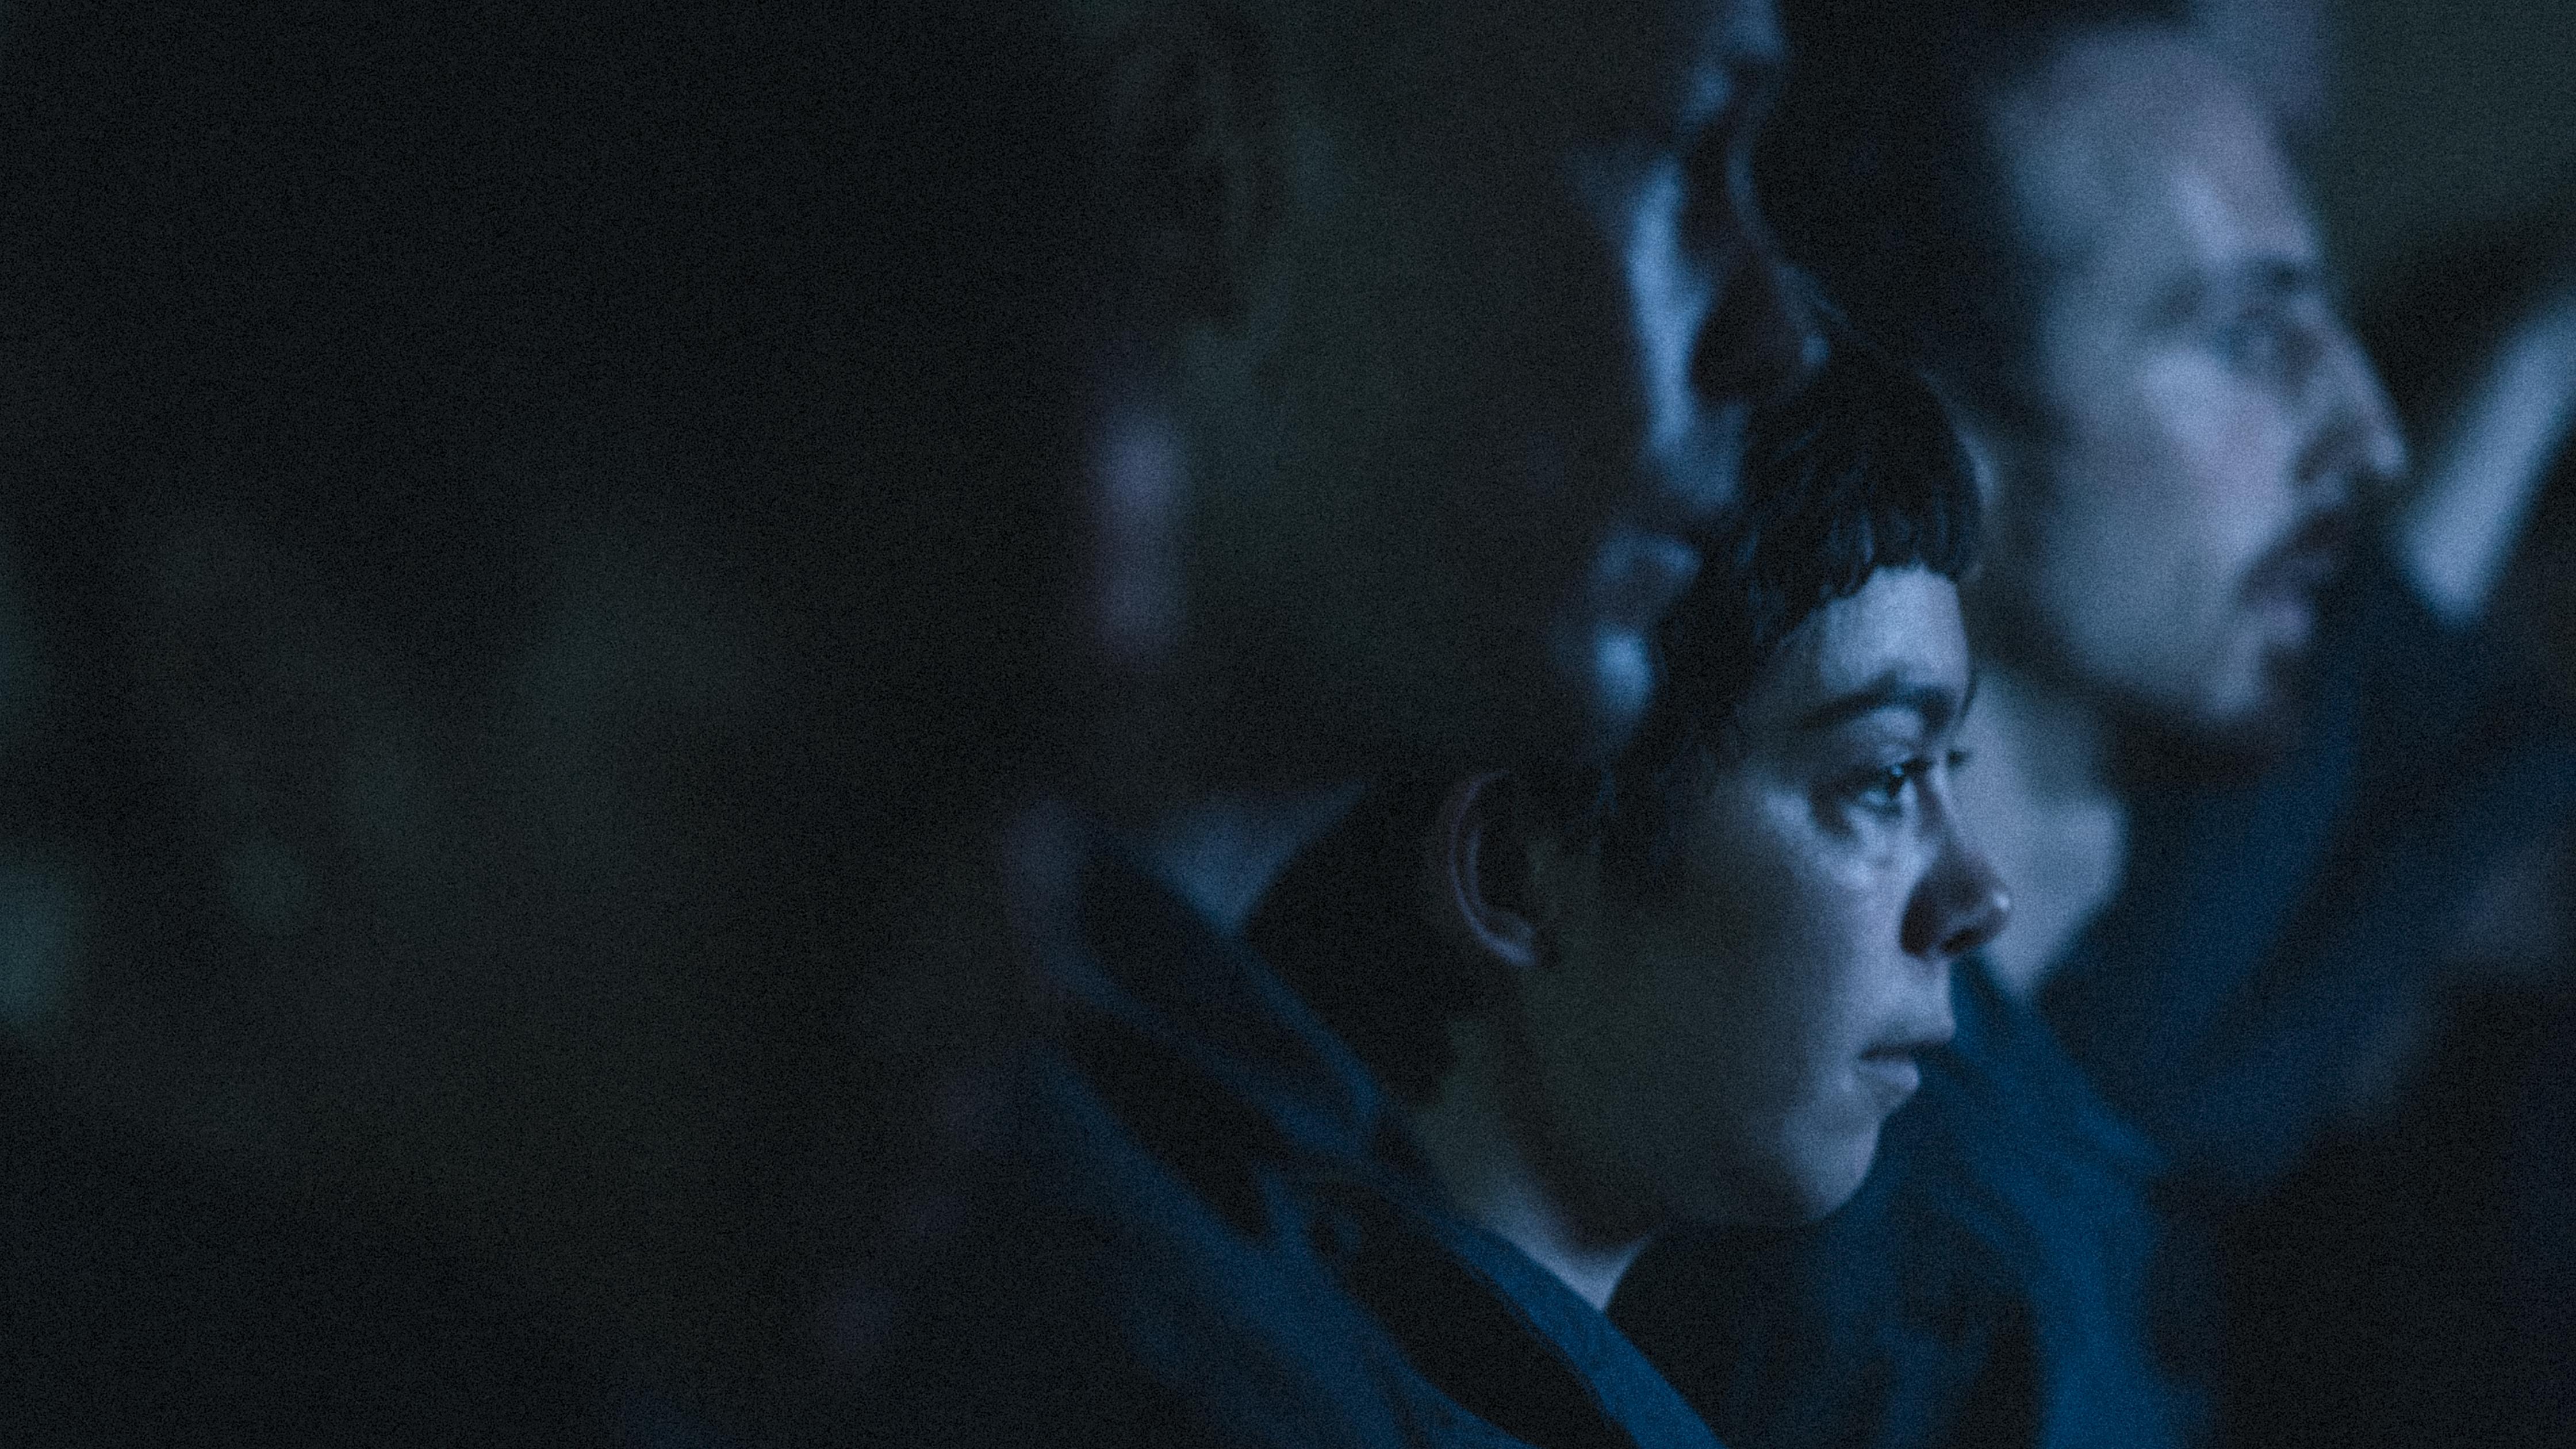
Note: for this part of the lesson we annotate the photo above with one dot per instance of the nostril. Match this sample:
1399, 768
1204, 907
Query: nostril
1957, 911
1983, 921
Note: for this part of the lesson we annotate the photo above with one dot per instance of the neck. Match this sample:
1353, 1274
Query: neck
1486, 1167
1223, 851
2041, 801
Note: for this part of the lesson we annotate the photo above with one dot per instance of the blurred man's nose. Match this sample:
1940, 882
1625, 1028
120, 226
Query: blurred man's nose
1960, 907
2369, 439
1762, 342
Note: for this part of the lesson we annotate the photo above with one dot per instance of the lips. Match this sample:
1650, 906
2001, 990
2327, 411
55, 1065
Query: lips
1890, 1075
1930, 1031
2301, 566
1906, 1051
1893, 1069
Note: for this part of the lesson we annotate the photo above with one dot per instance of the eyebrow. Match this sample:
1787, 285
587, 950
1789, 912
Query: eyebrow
1934, 704
2277, 275
2268, 275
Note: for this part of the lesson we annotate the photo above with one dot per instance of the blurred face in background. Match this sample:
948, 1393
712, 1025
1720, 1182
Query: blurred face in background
2201, 422
1509, 302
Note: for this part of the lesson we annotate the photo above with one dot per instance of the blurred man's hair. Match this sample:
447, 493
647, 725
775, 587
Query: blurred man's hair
1881, 176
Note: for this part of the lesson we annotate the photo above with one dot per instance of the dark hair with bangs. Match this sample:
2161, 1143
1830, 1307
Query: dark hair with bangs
1860, 472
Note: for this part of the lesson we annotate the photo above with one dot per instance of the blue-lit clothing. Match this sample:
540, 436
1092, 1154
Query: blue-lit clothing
1992, 1282
1215, 1232
2267, 934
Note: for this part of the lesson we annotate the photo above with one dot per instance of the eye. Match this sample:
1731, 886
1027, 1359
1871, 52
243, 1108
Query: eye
2253, 342
1891, 788
2267, 342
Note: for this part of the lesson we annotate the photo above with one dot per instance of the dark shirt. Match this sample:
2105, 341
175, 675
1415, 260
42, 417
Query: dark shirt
2539, 1241
1988, 1284
2414, 1284
2267, 936
1213, 1231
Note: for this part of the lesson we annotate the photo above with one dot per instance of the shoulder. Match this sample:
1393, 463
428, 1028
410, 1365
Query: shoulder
1136, 1271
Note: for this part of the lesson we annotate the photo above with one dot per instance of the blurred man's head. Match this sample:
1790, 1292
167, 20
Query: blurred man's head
1449, 316
2089, 232
1695, 982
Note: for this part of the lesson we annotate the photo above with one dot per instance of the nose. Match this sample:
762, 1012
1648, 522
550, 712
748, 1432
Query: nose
1960, 905
1761, 343
2363, 435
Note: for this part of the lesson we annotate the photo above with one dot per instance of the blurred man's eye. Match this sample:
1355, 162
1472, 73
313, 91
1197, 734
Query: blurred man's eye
2265, 342
2276, 341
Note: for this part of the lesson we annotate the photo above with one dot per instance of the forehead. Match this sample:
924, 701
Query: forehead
2135, 161
1615, 64
1902, 627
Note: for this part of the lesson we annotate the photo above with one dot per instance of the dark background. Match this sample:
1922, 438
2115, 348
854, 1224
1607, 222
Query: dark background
567, 1103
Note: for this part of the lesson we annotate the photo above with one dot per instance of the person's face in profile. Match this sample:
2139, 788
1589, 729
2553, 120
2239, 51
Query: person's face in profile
2206, 418
1726, 1046
1519, 303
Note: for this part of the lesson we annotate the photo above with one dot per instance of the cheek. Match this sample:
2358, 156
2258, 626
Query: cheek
1807, 941
2164, 494
2231, 453
1842, 937
1750, 1104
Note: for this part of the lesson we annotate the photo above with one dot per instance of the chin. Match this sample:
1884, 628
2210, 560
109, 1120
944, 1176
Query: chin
1830, 1191
1608, 678
1813, 1183
2229, 735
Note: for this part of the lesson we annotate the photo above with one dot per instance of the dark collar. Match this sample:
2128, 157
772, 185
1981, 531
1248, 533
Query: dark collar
1217, 1063
1155, 972
1504, 1338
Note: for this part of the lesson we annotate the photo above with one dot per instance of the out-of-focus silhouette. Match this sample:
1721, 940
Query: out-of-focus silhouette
1441, 324
652, 654
541, 534
2409, 1284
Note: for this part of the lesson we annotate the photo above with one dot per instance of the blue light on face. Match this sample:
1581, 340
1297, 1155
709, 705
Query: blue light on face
1623, 669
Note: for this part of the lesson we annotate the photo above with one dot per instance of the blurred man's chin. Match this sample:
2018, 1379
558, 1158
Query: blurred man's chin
2232, 737
1604, 680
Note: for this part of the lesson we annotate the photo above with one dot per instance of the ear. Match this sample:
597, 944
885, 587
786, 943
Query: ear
1480, 877
1983, 436
2000, 455
1206, 152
